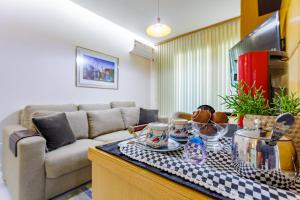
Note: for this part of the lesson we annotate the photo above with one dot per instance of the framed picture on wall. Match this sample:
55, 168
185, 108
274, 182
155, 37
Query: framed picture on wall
96, 70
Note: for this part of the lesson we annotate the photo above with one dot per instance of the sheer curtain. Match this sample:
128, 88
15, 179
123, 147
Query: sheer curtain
194, 69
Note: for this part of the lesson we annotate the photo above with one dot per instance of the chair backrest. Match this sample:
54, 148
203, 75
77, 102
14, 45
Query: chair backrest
182, 115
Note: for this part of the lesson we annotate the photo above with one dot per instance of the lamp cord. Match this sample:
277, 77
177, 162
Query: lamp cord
158, 18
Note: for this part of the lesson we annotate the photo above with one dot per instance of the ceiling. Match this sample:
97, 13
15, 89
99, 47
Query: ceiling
182, 15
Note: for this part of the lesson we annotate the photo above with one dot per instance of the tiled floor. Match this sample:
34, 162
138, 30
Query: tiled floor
3, 190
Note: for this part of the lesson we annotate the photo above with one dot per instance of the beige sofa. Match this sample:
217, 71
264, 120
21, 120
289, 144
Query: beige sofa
35, 174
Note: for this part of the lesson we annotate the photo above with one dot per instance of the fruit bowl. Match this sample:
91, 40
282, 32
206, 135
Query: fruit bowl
211, 133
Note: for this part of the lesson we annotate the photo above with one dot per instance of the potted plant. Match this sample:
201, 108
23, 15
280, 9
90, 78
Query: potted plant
245, 99
248, 101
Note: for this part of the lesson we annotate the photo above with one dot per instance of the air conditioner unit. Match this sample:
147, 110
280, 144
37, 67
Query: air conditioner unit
142, 50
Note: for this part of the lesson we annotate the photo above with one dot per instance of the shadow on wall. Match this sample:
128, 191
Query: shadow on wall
8, 120
11, 119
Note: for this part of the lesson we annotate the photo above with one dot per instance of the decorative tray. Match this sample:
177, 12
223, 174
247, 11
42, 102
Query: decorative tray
216, 174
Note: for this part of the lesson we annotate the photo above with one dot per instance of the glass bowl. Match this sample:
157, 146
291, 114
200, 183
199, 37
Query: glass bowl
194, 150
211, 133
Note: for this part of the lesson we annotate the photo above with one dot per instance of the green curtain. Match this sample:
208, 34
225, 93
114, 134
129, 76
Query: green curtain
194, 69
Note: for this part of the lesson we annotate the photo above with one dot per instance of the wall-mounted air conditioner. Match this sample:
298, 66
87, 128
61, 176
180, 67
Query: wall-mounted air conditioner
142, 50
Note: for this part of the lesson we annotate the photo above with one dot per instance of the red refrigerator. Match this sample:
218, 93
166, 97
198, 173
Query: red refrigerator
267, 69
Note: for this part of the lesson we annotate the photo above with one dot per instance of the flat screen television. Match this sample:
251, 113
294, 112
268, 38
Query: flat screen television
265, 37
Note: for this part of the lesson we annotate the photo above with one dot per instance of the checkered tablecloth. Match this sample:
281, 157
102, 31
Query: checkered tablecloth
217, 174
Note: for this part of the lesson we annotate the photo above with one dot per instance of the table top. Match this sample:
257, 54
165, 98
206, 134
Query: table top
113, 149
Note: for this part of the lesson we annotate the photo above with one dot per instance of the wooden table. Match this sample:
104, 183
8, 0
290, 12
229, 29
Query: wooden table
116, 179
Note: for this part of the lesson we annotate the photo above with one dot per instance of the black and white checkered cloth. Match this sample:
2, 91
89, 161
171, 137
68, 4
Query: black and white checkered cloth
271, 177
217, 174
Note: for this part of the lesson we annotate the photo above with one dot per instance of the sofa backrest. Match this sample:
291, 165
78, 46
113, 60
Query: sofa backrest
105, 121
122, 104
92, 107
28, 111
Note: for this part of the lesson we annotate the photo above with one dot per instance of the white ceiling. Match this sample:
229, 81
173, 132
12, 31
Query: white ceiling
182, 15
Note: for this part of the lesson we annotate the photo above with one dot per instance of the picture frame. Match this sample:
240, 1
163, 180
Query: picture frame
96, 70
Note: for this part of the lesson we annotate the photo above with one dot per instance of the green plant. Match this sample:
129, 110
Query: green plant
283, 103
242, 102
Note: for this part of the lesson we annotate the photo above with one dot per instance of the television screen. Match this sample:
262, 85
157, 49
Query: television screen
264, 37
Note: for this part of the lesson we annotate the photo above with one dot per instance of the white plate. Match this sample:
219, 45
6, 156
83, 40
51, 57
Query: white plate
179, 139
172, 145
183, 139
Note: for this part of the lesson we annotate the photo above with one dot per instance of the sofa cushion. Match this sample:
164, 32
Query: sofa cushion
79, 124
91, 107
105, 121
148, 115
68, 158
55, 129
130, 116
26, 118
114, 136
120, 104
77, 120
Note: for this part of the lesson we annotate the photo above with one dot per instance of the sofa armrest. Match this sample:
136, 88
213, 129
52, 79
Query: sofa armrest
163, 119
5, 151
24, 174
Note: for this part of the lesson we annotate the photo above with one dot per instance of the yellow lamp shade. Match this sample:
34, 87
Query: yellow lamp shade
158, 30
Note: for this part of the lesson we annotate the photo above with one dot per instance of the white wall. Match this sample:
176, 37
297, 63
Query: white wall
37, 56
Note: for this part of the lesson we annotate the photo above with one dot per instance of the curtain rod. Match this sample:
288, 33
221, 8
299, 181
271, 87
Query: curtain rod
194, 31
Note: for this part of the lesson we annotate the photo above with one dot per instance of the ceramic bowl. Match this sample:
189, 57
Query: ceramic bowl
180, 128
211, 133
